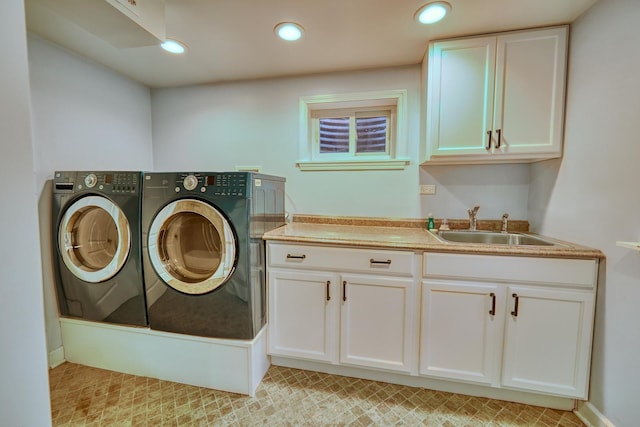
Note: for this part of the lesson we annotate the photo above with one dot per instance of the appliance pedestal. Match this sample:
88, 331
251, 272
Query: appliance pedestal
236, 366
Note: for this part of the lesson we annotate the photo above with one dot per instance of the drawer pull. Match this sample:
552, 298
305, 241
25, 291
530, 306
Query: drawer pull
493, 304
344, 290
514, 313
289, 256
374, 261
328, 294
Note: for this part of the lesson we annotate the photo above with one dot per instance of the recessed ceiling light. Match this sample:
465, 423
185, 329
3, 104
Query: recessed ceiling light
432, 12
289, 31
173, 46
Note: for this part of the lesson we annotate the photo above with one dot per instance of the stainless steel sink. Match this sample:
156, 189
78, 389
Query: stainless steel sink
493, 238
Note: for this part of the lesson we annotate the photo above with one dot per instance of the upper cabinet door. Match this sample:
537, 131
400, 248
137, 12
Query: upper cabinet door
496, 99
530, 87
460, 99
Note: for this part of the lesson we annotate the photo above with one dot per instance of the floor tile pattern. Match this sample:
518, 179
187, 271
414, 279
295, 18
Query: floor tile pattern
84, 396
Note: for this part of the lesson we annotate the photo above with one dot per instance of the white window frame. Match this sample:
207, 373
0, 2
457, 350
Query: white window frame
312, 108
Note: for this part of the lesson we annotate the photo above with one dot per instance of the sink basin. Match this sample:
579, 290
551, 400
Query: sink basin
493, 238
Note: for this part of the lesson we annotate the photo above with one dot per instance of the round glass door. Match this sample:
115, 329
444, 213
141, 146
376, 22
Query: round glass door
192, 246
94, 239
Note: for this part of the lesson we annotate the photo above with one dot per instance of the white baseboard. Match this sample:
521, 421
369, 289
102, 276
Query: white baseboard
591, 416
563, 403
56, 357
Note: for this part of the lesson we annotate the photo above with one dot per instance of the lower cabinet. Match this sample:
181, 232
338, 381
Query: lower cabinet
303, 319
547, 342
507, 325
460, 337
376, 322
341, 316
506, 322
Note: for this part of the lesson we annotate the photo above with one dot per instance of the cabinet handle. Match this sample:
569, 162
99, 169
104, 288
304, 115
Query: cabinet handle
514, 313
289, 256
499, 132
488, 146
344, 290
373, 261
493, 304
328, 294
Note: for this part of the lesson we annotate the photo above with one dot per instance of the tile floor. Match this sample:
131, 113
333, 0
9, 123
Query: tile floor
84, 396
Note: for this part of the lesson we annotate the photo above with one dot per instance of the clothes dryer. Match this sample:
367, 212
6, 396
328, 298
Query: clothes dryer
97, 250
203, 253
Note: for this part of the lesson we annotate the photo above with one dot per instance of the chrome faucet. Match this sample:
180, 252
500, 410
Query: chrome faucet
473, 217
505, 220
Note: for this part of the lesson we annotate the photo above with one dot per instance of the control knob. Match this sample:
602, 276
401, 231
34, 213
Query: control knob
91, 180
190, 182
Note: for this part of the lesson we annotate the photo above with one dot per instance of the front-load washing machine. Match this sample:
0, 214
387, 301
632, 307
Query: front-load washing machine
97, 249
203, 251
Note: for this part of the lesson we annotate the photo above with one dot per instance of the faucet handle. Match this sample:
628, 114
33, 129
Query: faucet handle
505, 217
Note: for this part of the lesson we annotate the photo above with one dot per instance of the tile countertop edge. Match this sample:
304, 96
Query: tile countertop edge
419, 240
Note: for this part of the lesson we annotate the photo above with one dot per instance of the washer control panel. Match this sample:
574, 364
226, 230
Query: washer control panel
234, 184
102, 182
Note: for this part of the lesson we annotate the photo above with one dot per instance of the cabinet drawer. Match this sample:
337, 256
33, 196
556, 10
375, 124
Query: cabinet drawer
341, 259
572, 272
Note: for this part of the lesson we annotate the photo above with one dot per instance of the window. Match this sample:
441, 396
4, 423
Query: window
352, 131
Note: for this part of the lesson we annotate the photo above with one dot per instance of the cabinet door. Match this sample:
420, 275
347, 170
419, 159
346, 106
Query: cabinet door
377, 319
461, 334
460, 93
548, 340
303, 315
529, 99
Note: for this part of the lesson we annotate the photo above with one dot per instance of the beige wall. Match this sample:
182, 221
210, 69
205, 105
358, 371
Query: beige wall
219, 127
24, 390
592, 196
84, 117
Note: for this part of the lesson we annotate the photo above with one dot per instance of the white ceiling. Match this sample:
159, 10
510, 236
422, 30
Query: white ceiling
231, 40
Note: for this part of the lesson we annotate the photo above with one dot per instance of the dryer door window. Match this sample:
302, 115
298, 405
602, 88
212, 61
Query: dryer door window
192, 247
94, 239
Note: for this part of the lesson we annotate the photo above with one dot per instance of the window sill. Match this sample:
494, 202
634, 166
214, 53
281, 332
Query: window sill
351, 165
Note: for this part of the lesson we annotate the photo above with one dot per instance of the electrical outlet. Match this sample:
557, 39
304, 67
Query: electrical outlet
428, 189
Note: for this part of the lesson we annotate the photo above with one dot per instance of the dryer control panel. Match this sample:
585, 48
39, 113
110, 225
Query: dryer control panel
102, 182
232, 184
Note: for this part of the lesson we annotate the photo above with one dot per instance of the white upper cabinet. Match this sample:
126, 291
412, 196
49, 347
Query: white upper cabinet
497, 98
